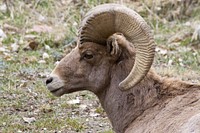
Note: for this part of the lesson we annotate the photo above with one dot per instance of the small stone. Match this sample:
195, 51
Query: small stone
47, 47
21, 42
56, 63
45, 56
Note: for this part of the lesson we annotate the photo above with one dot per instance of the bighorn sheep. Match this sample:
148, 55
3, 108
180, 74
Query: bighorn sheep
112, 59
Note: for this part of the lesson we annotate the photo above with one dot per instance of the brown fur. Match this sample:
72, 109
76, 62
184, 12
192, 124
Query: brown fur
129, 111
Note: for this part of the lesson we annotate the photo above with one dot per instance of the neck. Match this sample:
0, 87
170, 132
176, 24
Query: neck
123, 107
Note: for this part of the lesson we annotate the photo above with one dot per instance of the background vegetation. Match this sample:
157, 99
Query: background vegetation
34, 36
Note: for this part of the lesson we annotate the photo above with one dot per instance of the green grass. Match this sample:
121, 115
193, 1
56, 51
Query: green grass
108, 131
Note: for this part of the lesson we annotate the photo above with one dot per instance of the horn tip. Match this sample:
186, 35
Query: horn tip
126, 86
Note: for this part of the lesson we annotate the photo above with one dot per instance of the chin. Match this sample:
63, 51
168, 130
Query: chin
62, 91
58, 92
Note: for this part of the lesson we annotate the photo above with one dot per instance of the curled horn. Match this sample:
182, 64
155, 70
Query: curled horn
105, 20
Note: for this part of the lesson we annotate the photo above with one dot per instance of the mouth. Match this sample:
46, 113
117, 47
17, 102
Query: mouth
57, 92
54, 91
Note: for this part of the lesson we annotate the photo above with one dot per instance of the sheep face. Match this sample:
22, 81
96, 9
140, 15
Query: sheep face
86, 67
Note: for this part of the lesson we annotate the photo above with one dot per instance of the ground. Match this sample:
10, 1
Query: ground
33, 38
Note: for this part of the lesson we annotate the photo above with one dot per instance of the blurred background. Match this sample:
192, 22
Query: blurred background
35, 35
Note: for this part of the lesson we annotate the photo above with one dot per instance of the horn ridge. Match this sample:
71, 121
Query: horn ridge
107, 19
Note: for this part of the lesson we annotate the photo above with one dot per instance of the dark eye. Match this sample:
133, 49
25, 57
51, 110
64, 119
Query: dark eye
88, 55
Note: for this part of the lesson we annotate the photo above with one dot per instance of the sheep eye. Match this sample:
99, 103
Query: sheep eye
88, 56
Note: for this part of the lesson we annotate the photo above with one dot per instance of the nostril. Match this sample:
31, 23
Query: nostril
49, 80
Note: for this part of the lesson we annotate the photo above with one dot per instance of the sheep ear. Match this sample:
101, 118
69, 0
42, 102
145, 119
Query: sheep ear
113, 47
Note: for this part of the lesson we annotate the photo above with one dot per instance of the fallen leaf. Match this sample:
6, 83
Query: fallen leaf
8, 56
181, 64
41, 61
187, 24
42, 75
2, 34
46, 108
23, 83
41, 29
29, 59
15, 47
83, 106
10, 28
196, 34
2, 49
74, 101
170, 62
3, 8
29, 119
21, 41
31, 46
161, 51
30, 37
178, 37
94, 114
41, 18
